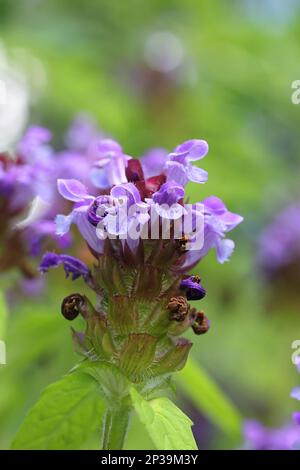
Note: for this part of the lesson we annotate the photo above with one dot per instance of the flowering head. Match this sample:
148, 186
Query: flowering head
144, 238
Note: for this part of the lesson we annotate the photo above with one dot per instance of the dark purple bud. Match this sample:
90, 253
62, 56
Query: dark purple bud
73, 305
193, 288
201, 324
72, 266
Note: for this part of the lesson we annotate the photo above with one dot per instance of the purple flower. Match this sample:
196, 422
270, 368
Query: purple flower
115, 213
295, 393
217, 222
257, 437
296, 417
193, 289
72, 266
111, 164
167, 198
179, 167
34, 145
279, 243
82, 134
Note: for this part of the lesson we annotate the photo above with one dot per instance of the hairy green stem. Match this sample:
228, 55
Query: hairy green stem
115, 427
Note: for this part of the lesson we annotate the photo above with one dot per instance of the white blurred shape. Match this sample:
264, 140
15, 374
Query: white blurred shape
37, 209
163, 51
20, 81
2, 353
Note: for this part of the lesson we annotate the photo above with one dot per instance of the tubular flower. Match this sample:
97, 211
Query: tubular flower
141, 235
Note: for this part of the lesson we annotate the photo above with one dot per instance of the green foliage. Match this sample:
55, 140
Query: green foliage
209, 399
64, 417
168, 427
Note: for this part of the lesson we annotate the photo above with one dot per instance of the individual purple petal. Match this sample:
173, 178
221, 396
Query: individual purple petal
113, 161
193, 288
108, 147
195, 149
169, 193
154, 162
72, 190
88, 231
196, 175
127, 190
63, 223
215, 205
99, 178
179, 167
296, 393
72, 266
99, 209
176, 172
225, 249
166, 201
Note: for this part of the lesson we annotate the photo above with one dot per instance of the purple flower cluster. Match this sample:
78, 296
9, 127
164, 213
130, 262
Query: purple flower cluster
148, 196
28, 193
287, 437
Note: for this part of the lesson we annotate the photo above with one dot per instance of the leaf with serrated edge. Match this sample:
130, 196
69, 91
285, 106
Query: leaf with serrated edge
67, 412
168, 427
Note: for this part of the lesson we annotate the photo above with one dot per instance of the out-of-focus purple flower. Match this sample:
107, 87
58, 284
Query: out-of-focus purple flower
32, 287
82, 134
72, 266
193, 288
41, 230
296, 417
295, 393
111, 164
279, 243
257, 437
179, 167
34, 146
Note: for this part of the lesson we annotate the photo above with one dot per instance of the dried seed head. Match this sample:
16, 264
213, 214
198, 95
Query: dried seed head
178, 308
201, 324
181, 243
72, 306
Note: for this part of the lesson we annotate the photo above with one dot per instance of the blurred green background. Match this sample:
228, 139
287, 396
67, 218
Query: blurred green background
233, 88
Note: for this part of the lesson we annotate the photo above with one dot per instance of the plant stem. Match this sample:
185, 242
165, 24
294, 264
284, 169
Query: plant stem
115, 427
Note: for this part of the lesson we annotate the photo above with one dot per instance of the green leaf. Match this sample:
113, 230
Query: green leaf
207, 396
67, 412
168, 427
